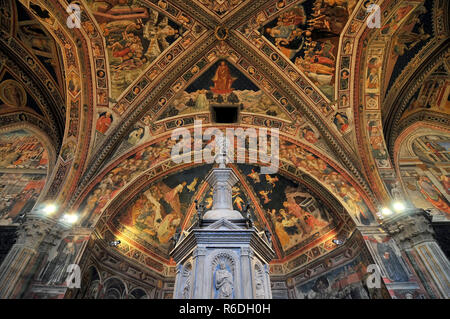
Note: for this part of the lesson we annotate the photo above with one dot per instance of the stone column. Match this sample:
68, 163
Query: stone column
198, 272
178, 281
413, 233
399, 278
247, 273
16, 269
267, 281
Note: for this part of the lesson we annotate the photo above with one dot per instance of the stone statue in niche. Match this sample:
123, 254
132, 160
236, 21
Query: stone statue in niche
224, 282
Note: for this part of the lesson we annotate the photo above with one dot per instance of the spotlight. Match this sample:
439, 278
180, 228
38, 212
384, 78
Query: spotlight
114, 243
70, 218
337, 242
399, 207
49, 209
386, 211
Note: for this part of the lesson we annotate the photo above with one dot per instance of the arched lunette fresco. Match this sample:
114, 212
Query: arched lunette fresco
27, 160
422, 158
130, 166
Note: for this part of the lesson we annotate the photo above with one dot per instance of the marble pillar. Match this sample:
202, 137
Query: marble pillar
398, 276
222, 261
15, 271
413, 233
222, 256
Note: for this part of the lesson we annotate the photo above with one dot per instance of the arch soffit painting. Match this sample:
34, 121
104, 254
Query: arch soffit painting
423, 60
75, 48
368, 46
398, 122
283, 139
322, 244
141, 104
24, 51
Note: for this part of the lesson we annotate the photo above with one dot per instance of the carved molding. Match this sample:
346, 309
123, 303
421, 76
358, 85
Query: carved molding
410, 228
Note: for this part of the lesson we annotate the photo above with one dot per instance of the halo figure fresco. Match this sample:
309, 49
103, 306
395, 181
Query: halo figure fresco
224, 149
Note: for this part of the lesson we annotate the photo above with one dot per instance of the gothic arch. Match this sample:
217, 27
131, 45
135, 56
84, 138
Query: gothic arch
138, 293
114, 288
371, 49
422, 160
140, 106
27, 166
91, 283
141, 180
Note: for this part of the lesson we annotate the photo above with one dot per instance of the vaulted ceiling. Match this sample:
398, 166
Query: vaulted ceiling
114, 89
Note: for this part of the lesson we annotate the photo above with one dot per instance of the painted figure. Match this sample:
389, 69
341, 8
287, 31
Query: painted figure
432, 194
222, 80
391, 263
104, 122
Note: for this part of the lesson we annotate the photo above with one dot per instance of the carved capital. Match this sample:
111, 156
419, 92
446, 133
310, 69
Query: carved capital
245, 251
199, 252
410, 228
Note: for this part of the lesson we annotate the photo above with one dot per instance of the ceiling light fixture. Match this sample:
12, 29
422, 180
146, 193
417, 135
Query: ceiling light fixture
114, 243
386, 211
50, 209
399, 207
70, 218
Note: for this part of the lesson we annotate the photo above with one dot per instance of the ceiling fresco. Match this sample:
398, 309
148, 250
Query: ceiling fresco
220, 85
135, 36
308, 34
133, 165
410, 32
14, 96
295, 216
19, 149
23, 172
152, 218
35, 37
433, 95
424, 162
408, 40
137, 70
221, 7
293, 213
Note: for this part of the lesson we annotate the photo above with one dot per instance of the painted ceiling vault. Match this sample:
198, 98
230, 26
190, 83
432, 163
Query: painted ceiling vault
107, 96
